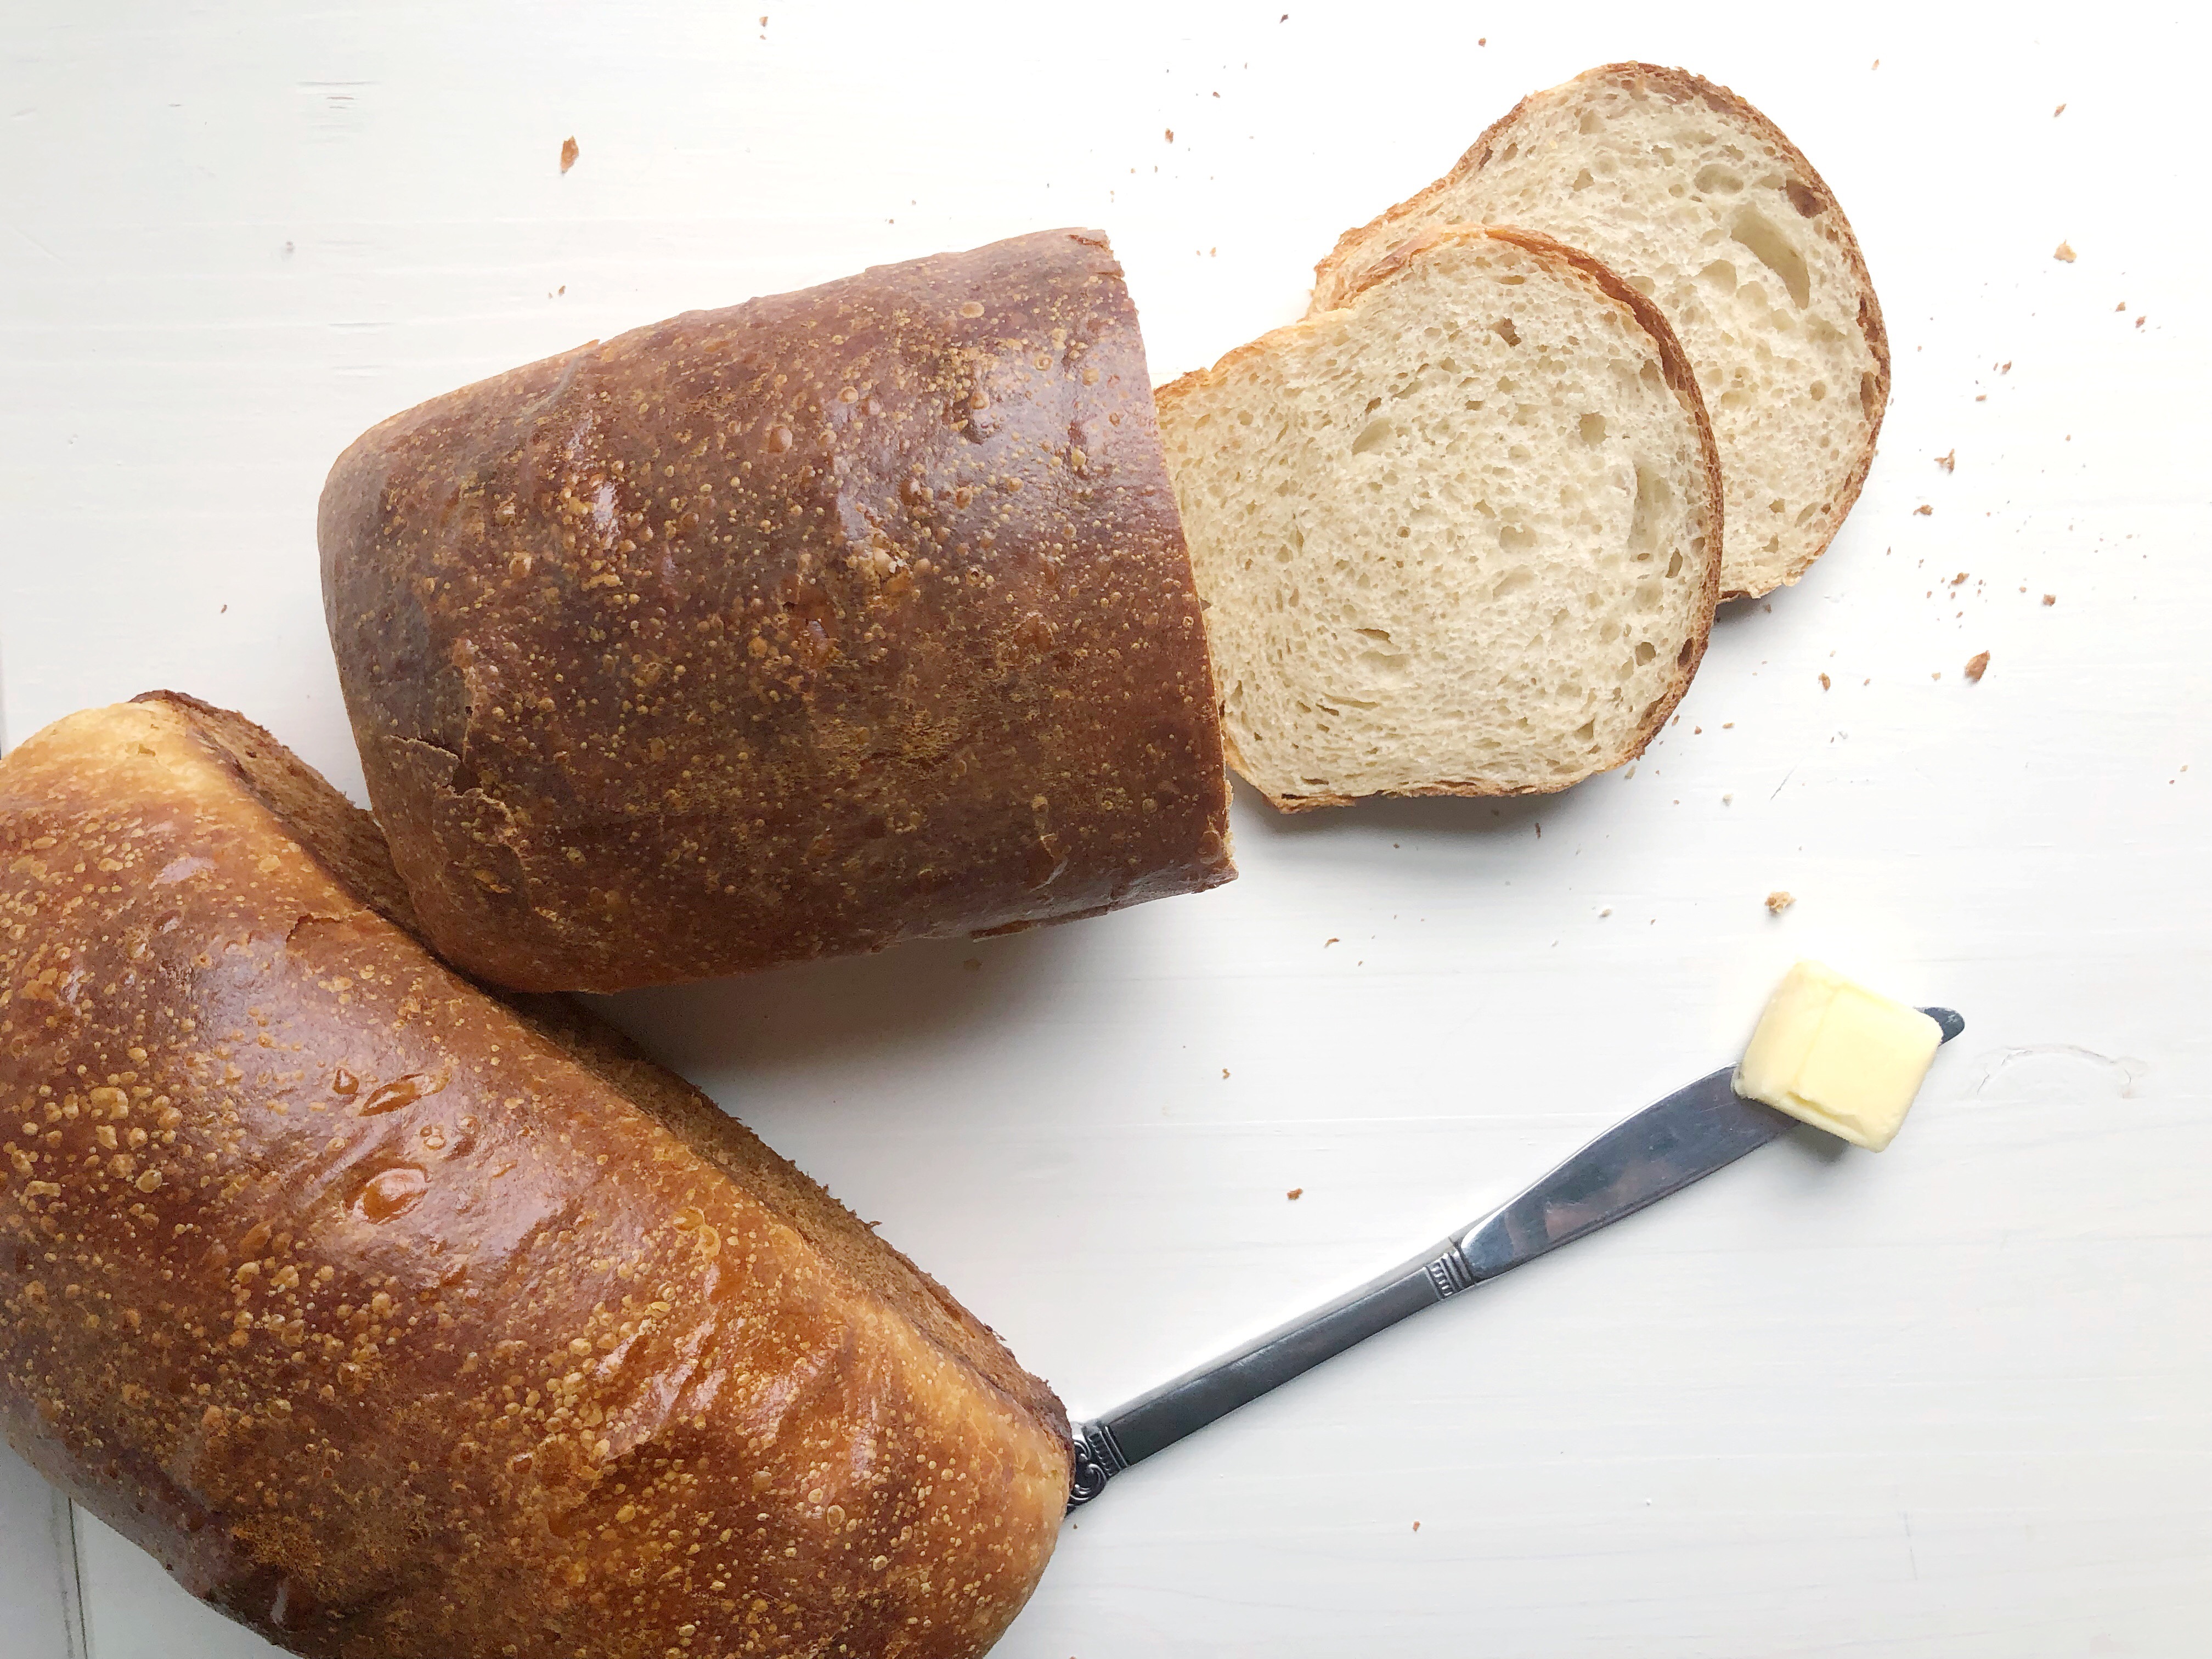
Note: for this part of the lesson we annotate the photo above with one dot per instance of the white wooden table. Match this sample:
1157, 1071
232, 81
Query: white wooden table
1950, 1401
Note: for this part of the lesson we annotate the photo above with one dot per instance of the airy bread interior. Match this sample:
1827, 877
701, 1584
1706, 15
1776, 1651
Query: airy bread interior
1704, 207
1459, 537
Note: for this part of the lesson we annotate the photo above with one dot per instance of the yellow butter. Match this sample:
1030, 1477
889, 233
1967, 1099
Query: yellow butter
1838, 1055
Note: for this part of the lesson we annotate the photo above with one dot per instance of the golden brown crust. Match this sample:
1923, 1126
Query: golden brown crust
1339, 273
799, 627
402, 1322
1681, 379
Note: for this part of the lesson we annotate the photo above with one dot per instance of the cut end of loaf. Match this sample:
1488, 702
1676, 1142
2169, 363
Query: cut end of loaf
1459, 536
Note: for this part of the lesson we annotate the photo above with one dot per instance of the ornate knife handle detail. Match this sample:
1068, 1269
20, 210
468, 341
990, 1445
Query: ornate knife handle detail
1097, 1460
1450, 1274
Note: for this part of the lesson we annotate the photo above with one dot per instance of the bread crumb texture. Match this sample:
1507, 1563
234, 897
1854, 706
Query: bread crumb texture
400, 1321
1976, 665
1458, 537
781, 631
1700, 203
1779, 901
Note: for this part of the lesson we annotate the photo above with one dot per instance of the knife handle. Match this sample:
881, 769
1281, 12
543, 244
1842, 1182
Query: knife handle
1105, 1446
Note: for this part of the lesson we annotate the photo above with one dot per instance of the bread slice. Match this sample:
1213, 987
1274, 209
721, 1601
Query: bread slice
1705, 208
1460, 536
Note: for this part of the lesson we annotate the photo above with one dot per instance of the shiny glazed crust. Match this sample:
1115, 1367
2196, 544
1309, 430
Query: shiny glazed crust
796, 629
401, 1321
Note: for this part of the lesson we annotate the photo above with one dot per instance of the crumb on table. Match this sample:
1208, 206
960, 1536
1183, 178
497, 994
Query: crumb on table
1949, 462
2064, 253
1779, 901
568, 154
1295, 1193
1976, 664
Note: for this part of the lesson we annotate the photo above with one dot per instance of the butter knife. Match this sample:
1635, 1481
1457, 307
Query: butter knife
1662, 1149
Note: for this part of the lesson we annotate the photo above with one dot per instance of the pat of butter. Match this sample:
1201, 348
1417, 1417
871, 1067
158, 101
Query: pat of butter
1838, 1056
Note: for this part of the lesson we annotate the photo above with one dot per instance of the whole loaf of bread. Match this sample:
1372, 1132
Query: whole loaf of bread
400, 1321
829, 620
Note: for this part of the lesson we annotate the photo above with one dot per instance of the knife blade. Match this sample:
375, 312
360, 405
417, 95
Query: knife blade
1697, 1129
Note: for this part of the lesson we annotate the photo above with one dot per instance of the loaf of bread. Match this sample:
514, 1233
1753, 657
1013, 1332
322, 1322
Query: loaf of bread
400, 1321
801, 627
1701, 202
1461, 536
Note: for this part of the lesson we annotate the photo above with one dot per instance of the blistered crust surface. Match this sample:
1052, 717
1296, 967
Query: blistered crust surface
401, 1323
798, 628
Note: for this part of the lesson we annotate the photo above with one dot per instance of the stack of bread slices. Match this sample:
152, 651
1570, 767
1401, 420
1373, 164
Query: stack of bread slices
1461, 530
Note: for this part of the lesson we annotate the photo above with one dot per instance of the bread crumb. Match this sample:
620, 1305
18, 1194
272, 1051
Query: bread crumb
2065, 253
1779, 901
1728, 725
568, 154
2050, 598
1977, 665
1170, 132
1326, 943
1937, 675
1924, 510
1960, 577
1949, 463
2060, 111
1824, 682
2123, 306
1416, 1526
1295, 1193
1224, 1071
2141, 319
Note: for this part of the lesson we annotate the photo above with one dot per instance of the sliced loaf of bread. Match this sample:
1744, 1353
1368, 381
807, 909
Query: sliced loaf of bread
1461, 536
1705, 208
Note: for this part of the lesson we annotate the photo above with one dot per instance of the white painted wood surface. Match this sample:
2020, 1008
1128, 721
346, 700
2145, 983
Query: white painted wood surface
1952, 1400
